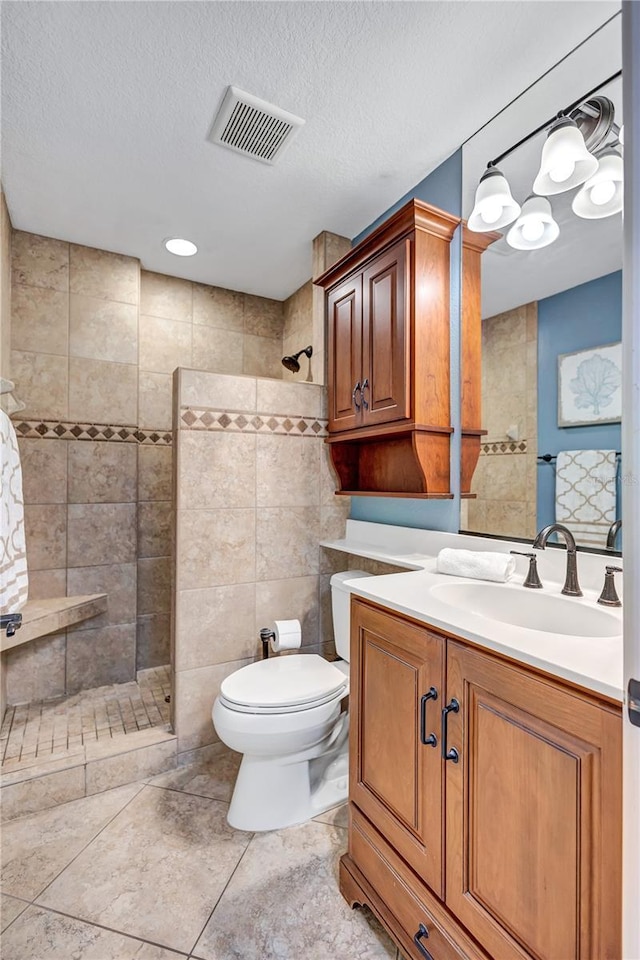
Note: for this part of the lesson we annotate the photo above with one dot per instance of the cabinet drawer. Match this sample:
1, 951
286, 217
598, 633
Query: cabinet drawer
402, 894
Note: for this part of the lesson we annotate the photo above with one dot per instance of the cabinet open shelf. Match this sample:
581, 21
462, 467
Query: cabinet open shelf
387, 493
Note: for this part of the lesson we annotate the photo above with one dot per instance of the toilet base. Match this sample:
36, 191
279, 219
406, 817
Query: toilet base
270, 794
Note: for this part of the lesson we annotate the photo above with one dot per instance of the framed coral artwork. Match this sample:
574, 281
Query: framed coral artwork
590, 386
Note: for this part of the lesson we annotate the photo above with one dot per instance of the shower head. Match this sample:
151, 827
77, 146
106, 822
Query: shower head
291, 363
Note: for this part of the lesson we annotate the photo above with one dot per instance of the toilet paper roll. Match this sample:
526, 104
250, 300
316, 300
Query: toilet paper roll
288, 635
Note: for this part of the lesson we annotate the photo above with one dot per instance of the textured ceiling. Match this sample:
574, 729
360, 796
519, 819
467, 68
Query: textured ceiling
107, 106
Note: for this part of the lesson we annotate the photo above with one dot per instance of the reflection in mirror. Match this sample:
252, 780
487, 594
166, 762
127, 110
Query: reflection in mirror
551, 304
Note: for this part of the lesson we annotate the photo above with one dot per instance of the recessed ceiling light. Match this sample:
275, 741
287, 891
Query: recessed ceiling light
181, 248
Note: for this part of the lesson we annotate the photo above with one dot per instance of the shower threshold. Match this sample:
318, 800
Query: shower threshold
47, 729
85, 743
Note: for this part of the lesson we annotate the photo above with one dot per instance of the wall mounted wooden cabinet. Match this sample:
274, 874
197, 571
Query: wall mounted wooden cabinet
388, 357
511, 849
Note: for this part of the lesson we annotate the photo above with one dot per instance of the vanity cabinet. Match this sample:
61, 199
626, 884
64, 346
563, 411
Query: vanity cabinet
387, 310
510, 849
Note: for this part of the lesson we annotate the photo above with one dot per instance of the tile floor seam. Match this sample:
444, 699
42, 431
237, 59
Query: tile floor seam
193, 948
189, 793
101, 926
27, 904
73, 859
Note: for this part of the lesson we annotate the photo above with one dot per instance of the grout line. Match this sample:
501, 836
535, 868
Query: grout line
222, 893
189, 793
101, 926
89, 842
27, 904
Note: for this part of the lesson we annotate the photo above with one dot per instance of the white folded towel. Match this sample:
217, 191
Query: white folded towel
14, 583
475, 564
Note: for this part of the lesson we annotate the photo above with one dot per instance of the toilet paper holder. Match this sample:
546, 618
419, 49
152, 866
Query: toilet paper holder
266, 636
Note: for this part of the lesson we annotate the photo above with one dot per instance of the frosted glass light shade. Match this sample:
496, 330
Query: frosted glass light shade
602, 194
494, 206
565, 161
535, 227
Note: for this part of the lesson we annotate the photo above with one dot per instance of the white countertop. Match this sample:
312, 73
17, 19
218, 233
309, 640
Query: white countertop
594, 663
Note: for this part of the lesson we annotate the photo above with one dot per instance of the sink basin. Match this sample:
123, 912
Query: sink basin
532, 609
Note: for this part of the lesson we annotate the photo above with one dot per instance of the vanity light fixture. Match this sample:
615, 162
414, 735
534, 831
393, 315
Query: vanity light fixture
535, 227
565, 162
568, 161
602, 195
180, 247
494, 206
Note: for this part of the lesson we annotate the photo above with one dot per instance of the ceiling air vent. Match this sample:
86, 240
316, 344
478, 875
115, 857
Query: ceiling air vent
253, 127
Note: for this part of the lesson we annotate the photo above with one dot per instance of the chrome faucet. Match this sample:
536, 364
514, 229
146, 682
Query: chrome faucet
571, 586
613, 533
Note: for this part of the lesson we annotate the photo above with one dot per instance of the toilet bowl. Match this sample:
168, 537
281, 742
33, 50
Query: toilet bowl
285, 716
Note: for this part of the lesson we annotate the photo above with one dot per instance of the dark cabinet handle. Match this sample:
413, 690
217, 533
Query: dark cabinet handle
431, 740
365, 386
417, 939
356, 389
452, 707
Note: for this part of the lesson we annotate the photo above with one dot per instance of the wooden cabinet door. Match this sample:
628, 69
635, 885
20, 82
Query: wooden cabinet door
344, 319
396, 779
386, 331
533, 813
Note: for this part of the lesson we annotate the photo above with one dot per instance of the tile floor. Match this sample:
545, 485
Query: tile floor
47, 729
152, 871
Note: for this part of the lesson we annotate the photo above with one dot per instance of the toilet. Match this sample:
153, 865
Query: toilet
285, 716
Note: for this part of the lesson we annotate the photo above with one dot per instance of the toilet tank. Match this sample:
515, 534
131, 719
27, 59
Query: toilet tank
340, 607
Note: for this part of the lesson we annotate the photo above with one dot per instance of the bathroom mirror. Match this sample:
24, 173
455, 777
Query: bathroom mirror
547, 314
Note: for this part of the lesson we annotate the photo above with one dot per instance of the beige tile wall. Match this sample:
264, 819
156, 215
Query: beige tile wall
505, 484
95, 339
298, 331
188, 325
74, 338
328, 248
250, 511
304, 312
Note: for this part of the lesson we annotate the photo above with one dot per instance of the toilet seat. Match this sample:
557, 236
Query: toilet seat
283, 685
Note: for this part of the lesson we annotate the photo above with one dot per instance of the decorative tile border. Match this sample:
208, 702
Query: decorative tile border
504, 447
222, 420
63, 430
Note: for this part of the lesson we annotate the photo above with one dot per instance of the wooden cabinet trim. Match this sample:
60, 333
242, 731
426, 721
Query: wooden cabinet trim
414, 215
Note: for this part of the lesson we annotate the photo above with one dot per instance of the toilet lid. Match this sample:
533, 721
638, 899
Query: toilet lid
283, 682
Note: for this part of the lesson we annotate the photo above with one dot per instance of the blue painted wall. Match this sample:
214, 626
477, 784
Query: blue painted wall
442, 188
589, 315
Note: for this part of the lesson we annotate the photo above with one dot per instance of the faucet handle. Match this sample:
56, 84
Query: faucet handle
609, 596
532, 579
